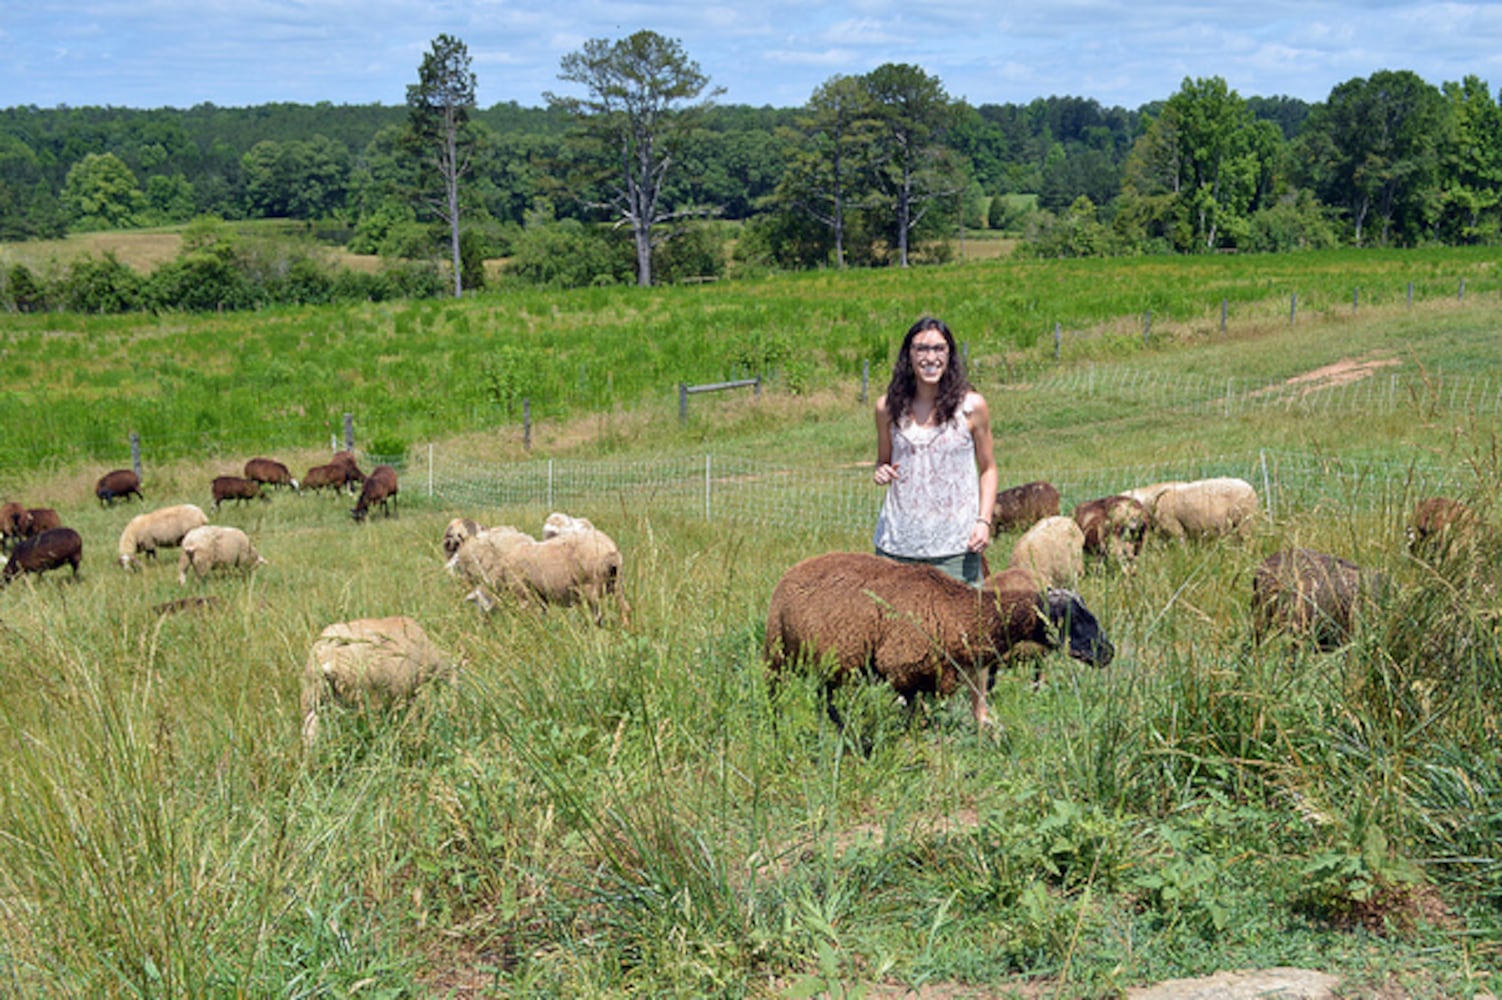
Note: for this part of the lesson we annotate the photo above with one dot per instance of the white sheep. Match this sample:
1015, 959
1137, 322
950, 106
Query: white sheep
369, 662
578, 565
559, 523
162, 528
1206, 508
457, 531
1053, 550
216, 545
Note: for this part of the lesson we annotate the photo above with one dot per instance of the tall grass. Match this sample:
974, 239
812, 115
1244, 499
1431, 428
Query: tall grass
610, 811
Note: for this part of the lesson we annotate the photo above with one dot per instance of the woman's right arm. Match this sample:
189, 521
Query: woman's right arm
885, 471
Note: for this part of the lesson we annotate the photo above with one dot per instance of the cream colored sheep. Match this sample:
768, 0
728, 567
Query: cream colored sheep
216, 545
162, 528
1053, 550
559, 523
1206, 508
369, 662
918, 628
457, 531
579, 565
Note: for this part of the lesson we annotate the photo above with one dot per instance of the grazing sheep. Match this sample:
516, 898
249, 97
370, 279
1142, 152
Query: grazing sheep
580, 565
1053, 550
15, 522
39, 553
345, 461
378, 488
1025, 505
324, 477
366, 662
42, 519
1308, 594
1438, 524
215, 545
1114, 528
1148, 495
269, 472
162, 528
120, 484
458, 530
917, 628
1205, 508
559, 523
236, 488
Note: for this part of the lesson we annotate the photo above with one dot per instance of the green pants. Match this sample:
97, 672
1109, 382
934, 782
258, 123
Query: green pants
965, 567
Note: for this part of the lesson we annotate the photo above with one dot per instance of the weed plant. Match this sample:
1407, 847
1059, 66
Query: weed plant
605, 812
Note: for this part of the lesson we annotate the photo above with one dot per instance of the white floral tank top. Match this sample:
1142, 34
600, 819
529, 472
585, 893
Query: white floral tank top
930, 508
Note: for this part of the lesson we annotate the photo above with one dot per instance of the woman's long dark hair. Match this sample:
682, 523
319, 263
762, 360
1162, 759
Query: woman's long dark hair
952, 386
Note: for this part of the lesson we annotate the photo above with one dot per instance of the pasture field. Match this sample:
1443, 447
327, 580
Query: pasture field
609, 812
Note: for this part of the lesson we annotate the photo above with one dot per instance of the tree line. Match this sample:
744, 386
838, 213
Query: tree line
644, 177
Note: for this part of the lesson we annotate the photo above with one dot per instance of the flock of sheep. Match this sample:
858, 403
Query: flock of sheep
911, 625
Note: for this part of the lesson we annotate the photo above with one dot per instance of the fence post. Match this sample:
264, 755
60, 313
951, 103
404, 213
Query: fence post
1355, 297
865, 377
756, 389
1462, 290
550, 484
1410, 293
1266, 486
1293, 308
526, 424
1057, 338
683, 401
349, 432
707, 509
135, 453
1222, 317
1147, 327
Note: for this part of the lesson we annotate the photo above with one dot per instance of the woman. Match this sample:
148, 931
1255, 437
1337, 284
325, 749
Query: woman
933, 453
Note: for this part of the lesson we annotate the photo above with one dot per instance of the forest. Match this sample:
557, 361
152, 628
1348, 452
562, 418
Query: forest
875, 170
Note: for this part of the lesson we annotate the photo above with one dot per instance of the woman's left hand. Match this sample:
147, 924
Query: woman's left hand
980, 535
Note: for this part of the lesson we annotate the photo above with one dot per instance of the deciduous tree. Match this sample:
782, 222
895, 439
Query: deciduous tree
643, 92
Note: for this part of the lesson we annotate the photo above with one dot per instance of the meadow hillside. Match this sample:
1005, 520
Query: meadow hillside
634, 810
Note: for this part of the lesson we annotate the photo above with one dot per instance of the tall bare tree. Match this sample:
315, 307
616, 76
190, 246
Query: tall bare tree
643, 91
438, 107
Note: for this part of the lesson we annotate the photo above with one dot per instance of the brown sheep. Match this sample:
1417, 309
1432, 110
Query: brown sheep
236, 488
42, 519
369, 661
15, 522
378, 488
162, 528
269, 472
1438, 524
1025, 505
51, 549
916, 627
324, 477
1114, 528
345, 461
1053, 550
121, 484
1309, 595
578, 565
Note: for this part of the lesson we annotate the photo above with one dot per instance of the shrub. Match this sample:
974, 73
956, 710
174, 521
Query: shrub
565, 254
23, 292
103, 285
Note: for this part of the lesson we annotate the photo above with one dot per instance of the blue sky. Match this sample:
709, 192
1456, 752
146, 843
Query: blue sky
161, 53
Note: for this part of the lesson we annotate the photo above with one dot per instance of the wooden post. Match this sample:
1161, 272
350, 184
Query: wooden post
1147, 327
1057, 339
1222, 316
865, 377
1293, 308
1410, 293
526, 424
1462, 289
135, 453
1355, 297
349, 432
683, 401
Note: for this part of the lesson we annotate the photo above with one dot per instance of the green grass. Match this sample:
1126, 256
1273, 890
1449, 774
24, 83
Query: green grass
603, 812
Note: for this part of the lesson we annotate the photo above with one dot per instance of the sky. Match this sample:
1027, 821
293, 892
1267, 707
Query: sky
1126, 53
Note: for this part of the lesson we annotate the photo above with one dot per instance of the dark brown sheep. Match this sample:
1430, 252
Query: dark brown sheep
121, 484
1025, 505
345, 460
379, 488
236, 488
1114, 528
918, 628
269, 472
39, 553
1308, 595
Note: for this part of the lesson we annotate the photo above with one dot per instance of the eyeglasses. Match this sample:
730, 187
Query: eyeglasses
936, 349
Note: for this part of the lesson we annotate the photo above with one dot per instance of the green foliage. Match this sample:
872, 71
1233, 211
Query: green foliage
566, 254
100, 286
102, 193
